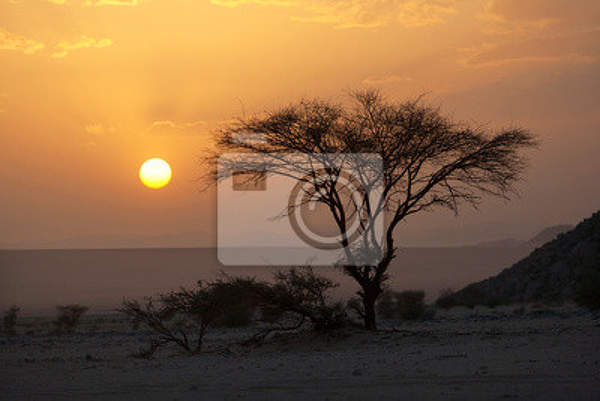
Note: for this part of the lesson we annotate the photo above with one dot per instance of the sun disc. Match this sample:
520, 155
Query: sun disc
155, 173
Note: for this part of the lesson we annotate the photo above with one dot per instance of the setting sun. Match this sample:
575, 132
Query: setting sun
155, 173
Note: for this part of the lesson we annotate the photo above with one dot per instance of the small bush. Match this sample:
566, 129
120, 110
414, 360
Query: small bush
405, 305
410, 304
386, 306
68, 317
10, 320
356, 306
183, 317
236, 316
302, 293
236, 298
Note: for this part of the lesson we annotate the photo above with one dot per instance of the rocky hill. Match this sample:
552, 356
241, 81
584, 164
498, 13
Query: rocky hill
555, 272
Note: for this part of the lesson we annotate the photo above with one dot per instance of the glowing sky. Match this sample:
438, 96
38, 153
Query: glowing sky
89, 89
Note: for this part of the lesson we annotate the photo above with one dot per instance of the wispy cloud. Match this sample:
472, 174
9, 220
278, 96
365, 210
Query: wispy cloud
168, 127
532, 17
95, 134
14, 42
98, 129
527, 34
98, 3
489, 55
417, 13
386, 79
572, 58
84, 43
361, 13
235, 3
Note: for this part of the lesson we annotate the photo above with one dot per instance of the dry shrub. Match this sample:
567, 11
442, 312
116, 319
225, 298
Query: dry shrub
470, 297
302, 293
10, 320
183, 317
405, 305
68, 317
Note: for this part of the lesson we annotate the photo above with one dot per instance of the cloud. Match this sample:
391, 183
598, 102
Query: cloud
95, 134
14, 42
235, 3
98, 129
84, 43
386, 79
99, 3
168, 127
418, 13
526, 18
536, 32
362, 13
489, 55
573, 58
587, 11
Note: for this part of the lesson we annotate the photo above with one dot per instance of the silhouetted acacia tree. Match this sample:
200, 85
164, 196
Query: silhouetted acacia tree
429, 161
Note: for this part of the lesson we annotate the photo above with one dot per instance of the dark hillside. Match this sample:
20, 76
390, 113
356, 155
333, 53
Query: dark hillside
556, 272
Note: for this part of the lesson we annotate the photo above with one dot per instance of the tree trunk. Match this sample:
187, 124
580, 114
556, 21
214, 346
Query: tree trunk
369, 298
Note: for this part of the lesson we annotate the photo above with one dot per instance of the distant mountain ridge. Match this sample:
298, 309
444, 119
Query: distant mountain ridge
546, 235
193, 239
551, 273
549, 234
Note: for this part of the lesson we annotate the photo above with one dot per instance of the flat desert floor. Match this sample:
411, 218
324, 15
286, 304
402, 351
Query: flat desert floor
481, 354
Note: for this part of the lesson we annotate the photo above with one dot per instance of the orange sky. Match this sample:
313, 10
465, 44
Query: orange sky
89, 89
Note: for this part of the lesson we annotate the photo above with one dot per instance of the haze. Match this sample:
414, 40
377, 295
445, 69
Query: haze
91, 89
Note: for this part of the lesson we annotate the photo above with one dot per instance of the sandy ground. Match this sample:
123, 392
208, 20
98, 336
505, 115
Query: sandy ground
484, 354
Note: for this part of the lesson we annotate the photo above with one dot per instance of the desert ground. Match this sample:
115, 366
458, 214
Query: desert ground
526, 353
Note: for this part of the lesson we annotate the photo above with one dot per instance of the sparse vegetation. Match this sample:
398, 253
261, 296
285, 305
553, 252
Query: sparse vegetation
405, 305
386, 306
302, 293
356, 306
183, 317
410, 305
469, 297
68, 317
10, 320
